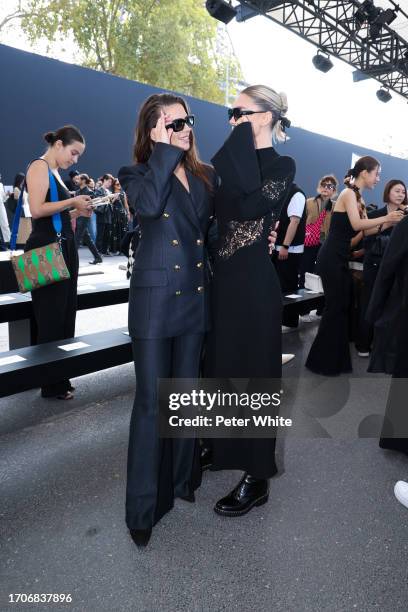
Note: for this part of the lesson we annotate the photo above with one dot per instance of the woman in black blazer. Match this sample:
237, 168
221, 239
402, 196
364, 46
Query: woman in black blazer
171, 191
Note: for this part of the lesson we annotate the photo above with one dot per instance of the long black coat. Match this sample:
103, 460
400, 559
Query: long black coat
394, 268
170, 280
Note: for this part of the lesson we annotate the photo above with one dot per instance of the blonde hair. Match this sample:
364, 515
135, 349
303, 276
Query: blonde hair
277, 103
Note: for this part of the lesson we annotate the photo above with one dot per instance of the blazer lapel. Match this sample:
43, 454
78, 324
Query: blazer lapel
192, 204
199, 198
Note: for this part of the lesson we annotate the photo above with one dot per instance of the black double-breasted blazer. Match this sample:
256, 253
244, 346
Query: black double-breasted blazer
170, 280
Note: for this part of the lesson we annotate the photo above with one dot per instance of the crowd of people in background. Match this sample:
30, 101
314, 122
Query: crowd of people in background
102, 233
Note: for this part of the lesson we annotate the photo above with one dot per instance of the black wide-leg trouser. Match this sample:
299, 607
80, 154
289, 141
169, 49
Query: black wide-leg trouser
159, 470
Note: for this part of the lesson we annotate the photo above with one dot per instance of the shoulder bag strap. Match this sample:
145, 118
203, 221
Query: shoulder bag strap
56, 218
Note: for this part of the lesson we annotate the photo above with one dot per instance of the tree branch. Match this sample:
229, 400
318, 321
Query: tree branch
16, 15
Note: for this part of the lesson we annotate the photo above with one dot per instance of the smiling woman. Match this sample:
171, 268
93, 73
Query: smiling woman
171, 191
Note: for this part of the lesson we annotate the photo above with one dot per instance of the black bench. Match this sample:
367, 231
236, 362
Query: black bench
30, 367
16, 308
46, 363
306, 301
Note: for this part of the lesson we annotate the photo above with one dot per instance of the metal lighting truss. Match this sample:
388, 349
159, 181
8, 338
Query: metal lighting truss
331, 26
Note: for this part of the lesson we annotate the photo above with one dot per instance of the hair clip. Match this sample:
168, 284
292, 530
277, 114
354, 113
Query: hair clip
285, 123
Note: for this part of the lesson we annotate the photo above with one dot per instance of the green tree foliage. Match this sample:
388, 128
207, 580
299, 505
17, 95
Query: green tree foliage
171, 44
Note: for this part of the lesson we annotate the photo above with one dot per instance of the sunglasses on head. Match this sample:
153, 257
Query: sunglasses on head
237, 113
178, 124
328, 186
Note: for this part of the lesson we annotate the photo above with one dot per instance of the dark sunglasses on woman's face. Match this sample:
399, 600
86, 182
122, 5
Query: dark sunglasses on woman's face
329, 186
237, 113
178, 124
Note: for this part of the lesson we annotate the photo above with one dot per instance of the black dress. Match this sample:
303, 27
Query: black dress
55, 305
330, 351
393, 272
245, 338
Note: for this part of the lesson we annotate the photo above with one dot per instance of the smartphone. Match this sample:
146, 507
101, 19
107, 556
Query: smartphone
102, 200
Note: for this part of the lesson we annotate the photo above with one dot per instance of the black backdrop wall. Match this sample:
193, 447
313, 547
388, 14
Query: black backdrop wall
39, 94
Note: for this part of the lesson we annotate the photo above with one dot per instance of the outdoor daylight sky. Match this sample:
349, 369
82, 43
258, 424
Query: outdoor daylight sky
330, 104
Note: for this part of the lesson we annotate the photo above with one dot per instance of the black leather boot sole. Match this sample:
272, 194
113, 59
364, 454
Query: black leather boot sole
248, 493
256, 502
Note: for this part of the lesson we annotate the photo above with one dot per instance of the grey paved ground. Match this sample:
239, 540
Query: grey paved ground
332, 536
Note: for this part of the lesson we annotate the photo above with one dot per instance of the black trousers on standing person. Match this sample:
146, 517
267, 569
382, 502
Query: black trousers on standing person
82, 235
103, 235
157, 467
55, 307
308, 262
288, 273
100, 231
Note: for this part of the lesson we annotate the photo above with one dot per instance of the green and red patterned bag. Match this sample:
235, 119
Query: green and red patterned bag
40, 267
43, 265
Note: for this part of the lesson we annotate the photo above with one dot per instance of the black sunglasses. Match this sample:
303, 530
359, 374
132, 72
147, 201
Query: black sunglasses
328, 186
237, 113
178, 124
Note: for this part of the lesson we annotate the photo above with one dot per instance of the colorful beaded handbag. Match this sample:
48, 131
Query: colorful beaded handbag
44, 265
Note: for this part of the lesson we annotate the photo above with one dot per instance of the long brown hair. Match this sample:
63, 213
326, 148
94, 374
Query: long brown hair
147, 119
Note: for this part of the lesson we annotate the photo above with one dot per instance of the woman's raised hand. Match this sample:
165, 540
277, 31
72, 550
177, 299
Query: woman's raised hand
159, 132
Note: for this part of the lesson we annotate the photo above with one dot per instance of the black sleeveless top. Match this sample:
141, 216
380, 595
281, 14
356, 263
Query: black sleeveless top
44, 226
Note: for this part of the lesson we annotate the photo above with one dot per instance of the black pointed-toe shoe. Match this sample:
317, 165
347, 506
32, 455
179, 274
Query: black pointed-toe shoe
188, 498
140, 537
248, 493
205, 458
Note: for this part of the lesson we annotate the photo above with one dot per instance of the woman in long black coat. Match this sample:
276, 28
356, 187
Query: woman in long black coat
394, 268
245, 338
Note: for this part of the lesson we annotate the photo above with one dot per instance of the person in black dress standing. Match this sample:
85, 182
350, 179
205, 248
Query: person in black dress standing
170, 190
245, 339
330, 351
55, 305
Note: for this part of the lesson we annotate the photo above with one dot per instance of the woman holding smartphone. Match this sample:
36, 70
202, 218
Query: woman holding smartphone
55, 305
330, 351
170, 190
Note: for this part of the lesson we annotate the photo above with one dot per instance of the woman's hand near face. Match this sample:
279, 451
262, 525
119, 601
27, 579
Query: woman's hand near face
159, 132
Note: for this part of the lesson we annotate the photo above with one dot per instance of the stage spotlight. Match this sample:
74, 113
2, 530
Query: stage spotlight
383, 95
221, 10
322, 62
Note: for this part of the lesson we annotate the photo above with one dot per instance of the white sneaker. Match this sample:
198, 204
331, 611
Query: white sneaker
286, 357
361, 354
401, 492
